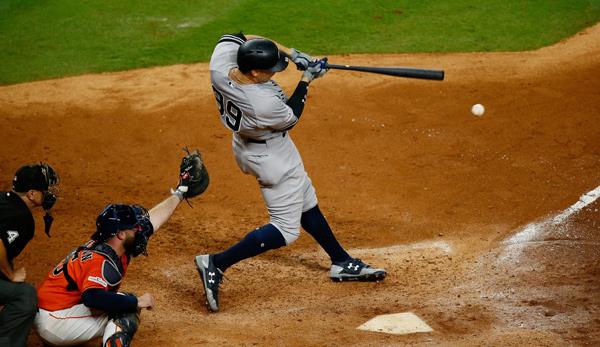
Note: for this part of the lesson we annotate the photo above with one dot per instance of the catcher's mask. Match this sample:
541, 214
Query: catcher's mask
261, 54
117, 217
40, 177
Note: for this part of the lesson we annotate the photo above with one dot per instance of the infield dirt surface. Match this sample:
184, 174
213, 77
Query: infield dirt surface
406, 176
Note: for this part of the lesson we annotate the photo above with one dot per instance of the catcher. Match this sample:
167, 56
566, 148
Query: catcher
80, 300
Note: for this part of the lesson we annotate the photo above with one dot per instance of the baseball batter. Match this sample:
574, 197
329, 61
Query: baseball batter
259, 115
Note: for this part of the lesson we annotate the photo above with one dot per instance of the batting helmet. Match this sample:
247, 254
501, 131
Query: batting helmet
260, 54
117, 217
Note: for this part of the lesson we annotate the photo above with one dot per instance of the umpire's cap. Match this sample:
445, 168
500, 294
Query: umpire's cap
34, 176
261, 54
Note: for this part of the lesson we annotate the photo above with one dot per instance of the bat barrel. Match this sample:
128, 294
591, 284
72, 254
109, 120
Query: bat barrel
409, 72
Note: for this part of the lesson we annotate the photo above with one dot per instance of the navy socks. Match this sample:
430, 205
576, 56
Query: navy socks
316, 225
268, 237
256, 242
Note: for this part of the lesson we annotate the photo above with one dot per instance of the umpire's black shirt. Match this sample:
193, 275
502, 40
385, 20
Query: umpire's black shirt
16, 225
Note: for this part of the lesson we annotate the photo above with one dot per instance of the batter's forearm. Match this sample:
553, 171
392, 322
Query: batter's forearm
298, 99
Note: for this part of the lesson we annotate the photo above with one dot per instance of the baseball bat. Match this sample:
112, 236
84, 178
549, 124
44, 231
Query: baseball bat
409, 72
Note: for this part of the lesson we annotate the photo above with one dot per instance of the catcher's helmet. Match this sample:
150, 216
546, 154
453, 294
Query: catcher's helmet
260, 54
117, 217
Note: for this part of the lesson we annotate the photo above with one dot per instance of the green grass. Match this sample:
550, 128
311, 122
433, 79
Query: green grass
41, 39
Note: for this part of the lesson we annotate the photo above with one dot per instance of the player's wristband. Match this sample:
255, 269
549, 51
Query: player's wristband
179, 192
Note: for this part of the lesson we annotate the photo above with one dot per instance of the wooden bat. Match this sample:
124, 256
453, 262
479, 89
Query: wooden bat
409, 72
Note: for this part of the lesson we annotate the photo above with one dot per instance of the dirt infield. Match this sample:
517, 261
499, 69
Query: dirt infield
407, 177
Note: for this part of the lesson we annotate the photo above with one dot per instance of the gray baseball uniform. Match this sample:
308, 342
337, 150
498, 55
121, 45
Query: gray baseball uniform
258, 116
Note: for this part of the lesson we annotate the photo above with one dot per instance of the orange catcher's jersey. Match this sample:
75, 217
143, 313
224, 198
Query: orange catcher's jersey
90, 266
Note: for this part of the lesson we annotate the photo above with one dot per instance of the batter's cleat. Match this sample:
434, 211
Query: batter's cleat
211, 277
354, 269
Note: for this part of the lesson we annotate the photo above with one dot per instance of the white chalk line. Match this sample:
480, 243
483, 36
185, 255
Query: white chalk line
584, 200
443, 246
532, 231
398, 250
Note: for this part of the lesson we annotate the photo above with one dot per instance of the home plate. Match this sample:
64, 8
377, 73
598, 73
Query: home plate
397, 323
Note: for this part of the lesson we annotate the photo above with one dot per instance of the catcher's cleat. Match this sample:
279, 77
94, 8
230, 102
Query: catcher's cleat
354, 269
211, 277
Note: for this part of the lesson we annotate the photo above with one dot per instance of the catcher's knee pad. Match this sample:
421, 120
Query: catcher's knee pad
127, 322
120, 339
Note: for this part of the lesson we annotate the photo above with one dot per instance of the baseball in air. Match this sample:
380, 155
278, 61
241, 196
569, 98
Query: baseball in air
478, 110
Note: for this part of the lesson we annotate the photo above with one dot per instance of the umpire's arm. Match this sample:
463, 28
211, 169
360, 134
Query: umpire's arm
5, 266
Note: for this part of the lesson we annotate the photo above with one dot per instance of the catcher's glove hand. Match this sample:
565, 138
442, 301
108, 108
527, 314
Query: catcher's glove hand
193, 176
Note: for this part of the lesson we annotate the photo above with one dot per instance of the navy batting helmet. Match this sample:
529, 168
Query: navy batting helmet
261, 54
117, 217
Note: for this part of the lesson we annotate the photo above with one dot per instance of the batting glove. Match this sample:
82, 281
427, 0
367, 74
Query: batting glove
316, 69
301, 59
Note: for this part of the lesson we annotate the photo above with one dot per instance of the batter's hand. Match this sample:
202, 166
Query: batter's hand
315, 69
19, 275
301, 59
146, 301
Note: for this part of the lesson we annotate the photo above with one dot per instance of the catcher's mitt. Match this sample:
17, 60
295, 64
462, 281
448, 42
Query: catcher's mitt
193, 176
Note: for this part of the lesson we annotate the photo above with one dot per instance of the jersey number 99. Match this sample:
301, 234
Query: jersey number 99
233, 114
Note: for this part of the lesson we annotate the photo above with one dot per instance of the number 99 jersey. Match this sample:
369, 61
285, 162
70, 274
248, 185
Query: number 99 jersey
259, 118
251, 111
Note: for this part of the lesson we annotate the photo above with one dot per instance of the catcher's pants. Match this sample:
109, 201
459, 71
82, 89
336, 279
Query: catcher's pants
16, 317
73, 326
285, 186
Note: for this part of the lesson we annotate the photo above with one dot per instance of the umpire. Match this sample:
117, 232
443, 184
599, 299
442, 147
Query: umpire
34, 185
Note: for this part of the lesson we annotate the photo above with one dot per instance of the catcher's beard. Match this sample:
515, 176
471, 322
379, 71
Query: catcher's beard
129, 243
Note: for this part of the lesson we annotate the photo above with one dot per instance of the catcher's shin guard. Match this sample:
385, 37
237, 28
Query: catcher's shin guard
120, 339
126, 324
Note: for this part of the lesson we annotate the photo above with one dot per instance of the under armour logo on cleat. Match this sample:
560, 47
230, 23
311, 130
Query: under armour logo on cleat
211, 279
350, 266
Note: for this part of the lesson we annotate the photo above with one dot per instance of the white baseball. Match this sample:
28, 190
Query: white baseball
478, 110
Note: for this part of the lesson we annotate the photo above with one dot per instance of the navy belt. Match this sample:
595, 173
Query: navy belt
263, 141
